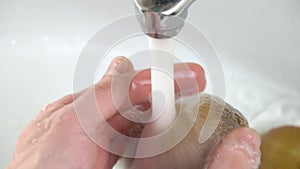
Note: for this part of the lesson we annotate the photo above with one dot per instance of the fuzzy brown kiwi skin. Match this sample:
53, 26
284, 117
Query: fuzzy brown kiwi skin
189, 153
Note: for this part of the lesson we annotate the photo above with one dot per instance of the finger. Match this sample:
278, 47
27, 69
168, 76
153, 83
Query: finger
118, 69
189, 79
240, 149
107, 99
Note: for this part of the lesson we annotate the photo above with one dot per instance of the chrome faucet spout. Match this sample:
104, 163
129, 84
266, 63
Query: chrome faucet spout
162, 19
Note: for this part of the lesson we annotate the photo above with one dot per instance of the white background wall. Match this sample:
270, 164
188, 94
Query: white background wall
40, 42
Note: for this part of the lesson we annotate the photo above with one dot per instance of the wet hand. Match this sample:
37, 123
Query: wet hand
55, 138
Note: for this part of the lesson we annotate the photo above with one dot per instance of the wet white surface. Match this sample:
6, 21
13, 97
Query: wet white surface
265, 104
40, 42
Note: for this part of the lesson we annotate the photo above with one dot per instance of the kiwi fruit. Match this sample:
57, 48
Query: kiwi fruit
281, 148
190, 153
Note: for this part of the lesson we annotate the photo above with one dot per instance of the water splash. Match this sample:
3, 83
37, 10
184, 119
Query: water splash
45, 108
38, 124
47, 124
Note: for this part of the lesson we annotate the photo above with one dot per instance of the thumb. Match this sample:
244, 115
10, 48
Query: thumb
240, 149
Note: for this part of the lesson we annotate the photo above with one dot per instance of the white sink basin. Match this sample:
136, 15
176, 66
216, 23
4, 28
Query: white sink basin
258, 43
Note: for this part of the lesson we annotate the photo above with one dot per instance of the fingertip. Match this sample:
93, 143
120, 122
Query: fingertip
240, 149
190, 78
245, 135
199, 74
119, 64
196, 68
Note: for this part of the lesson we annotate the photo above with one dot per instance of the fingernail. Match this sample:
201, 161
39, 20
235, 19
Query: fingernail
119, 65
249, 143
123, 65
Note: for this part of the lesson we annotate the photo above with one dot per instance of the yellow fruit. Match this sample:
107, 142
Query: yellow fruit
281, 148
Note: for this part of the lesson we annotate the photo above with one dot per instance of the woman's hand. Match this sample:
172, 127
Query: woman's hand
55, 139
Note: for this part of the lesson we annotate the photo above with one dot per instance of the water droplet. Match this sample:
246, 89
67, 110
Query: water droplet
45, 107
47, 124
252, 161
33, 141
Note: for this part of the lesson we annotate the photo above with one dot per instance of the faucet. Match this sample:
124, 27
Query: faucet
162, 19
